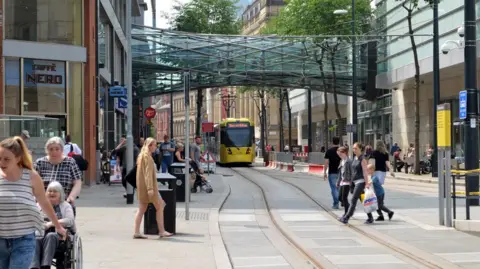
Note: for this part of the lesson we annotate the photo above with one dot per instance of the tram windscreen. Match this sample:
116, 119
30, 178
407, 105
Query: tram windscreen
237, 135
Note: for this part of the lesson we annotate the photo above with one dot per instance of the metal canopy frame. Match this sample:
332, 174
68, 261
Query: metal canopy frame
160, 57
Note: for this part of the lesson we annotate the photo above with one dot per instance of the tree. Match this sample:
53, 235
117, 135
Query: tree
316, 17
205, 17
410, 6
260, 96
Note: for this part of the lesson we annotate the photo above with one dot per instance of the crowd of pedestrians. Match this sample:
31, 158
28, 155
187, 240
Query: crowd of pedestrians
37, 198
350, 177
37, 201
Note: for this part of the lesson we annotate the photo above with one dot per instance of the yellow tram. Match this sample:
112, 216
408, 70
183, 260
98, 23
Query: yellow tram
235, 141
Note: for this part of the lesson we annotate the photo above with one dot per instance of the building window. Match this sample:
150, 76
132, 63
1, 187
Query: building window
44, 86
52, 21
12, 86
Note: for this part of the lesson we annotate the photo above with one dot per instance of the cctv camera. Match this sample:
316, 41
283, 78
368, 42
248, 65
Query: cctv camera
461, 31
445, 48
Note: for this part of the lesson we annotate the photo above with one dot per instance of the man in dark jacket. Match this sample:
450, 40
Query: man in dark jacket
121, 153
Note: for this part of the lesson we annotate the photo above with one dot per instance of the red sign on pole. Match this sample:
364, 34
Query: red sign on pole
150, 113
207, 127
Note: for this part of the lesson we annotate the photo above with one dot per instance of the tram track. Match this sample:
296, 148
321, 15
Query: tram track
415, 259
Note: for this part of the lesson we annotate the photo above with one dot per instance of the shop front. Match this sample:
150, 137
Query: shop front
46, 88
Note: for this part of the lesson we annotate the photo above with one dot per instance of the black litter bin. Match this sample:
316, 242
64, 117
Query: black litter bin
177, 170
169, 213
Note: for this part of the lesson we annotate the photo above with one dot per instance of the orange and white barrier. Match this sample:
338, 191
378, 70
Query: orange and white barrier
316, 169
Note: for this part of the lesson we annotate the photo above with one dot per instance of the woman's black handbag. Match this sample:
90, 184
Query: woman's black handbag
131, 177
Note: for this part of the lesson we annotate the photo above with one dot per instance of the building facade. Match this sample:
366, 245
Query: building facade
112, 46
397, 69
48, 68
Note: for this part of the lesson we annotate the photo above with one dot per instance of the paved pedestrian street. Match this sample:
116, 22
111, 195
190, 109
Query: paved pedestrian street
105, 224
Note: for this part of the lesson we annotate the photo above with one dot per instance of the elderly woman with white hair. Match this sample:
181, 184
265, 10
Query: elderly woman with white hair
58, 167
47, 244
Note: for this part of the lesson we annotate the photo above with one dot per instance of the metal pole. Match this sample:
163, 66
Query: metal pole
171, 116
441, 188
448, 188
128, 81
471, 135
436, 84
309, 120
354, 76
186, 82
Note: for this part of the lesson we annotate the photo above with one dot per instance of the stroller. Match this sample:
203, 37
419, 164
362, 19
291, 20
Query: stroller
200, 180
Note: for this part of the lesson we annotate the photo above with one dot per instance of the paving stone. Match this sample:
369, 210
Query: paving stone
385, 259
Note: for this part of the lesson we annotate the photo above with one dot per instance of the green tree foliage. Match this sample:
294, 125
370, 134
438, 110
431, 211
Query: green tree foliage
206, 17
316, 17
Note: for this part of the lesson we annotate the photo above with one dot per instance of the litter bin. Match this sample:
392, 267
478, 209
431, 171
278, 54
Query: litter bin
169, 212
178, 171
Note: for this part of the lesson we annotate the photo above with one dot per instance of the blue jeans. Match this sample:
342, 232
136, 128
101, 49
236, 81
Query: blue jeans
332, 180
17, 253
166, 161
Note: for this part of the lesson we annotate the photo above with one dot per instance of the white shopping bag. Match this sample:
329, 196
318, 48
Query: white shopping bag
370, 201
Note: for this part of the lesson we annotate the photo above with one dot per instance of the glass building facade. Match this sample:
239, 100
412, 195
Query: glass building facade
44, 85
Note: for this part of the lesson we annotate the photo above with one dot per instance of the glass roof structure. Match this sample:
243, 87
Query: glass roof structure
161, 57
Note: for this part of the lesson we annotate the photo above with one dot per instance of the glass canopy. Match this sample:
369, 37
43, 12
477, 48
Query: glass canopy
160, 58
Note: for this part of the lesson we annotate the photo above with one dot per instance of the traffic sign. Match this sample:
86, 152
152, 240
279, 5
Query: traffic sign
122, 103
150, 113
117, 91
463, 104
207, 127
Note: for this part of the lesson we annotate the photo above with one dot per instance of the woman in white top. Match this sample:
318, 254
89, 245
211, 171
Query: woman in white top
20, 185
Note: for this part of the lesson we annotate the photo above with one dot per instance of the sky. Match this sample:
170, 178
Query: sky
162, 6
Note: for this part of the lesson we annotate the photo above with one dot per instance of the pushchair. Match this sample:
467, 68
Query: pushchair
199, 180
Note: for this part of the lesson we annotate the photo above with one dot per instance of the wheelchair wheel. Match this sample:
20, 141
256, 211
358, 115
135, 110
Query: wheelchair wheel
77, 254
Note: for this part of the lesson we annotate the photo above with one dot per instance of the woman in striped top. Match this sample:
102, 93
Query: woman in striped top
19, 214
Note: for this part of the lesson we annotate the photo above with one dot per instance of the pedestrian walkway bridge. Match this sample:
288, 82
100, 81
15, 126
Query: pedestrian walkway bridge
160, 58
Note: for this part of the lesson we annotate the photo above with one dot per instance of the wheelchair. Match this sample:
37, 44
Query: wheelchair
69, 253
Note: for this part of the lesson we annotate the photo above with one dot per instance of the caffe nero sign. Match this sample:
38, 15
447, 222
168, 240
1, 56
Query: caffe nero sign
43, 73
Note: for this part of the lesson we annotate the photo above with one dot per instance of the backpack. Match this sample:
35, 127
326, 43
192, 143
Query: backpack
81, 162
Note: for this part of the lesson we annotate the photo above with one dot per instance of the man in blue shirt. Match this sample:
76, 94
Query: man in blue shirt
166, 149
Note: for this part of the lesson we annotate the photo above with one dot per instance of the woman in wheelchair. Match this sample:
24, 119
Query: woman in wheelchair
48, 244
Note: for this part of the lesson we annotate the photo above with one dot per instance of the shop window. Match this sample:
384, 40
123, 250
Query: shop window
44, 86
52, 21
12, 86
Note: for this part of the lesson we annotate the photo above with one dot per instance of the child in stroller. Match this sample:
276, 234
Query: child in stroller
199, 180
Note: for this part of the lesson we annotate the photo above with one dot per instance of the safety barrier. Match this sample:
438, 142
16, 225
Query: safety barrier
316, 169
467, 195
288, 162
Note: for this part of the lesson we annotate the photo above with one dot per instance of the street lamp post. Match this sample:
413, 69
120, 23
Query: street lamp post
354, 70
354, 77
436, 85
471, 134
128, 81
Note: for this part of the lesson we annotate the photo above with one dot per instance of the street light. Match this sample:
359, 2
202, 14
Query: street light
354, 69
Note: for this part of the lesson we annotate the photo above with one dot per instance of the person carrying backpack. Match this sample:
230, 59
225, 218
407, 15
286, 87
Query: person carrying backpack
72, 150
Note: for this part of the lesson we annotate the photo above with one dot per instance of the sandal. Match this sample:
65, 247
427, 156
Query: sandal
165, 234
139, 236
